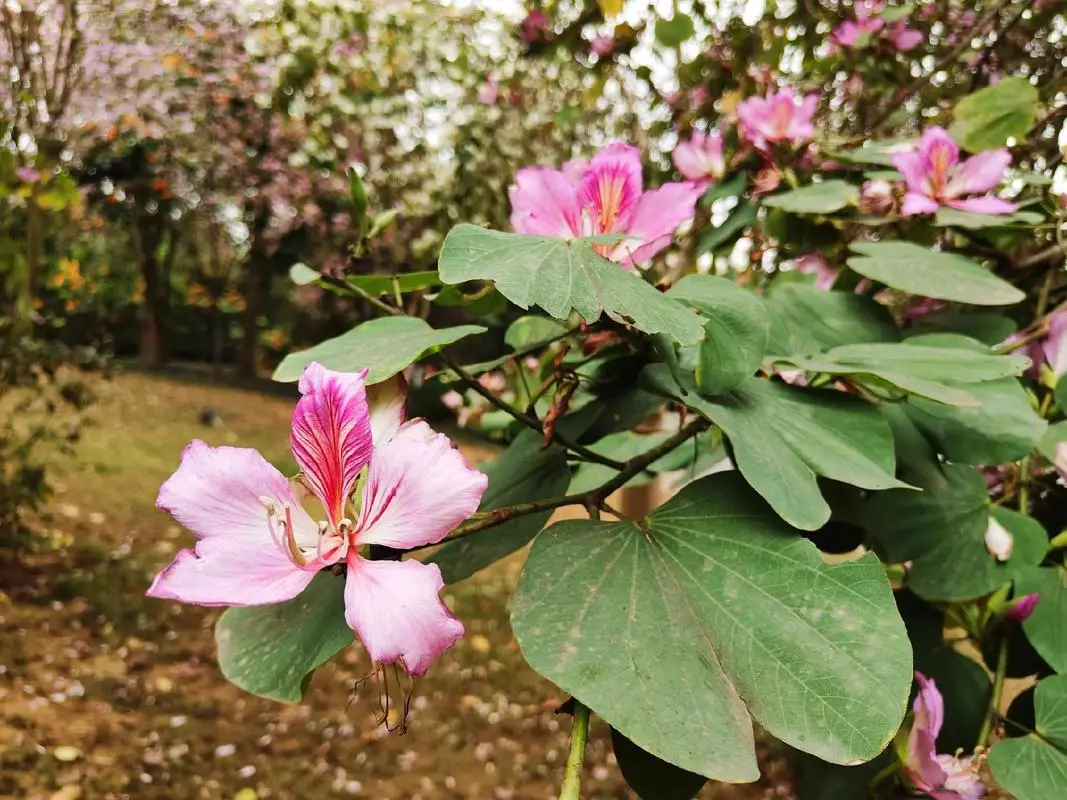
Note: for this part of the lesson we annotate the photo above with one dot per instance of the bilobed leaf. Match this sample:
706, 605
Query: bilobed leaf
1034, 767
662, 629
807, 319
988, 118
784, 438
1045, 627
524, 473
272, 650
818, 198
384, 346
736, 330
944, 276
653, 778
941, 530
559, 275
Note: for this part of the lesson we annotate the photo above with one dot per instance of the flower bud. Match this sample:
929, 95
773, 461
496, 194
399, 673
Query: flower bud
1022, 608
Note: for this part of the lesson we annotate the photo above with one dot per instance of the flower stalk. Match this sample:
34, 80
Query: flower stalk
572, 776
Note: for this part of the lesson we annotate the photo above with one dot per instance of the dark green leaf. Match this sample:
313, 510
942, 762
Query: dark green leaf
379, 285
559, 275
807, 319
1046, 627
1034, 767
818, 198
652, 778
989, 327
530, 331
272, 650
731, 187
988, 118
384, 346
743, 216
945, 276
663, 631
672, 31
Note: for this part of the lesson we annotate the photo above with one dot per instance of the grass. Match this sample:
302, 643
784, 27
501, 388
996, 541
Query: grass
108, 694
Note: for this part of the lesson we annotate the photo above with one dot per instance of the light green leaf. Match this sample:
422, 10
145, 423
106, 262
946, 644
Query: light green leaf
1045, 627
951, 217
384, 346
1034, 767
988, 118
945, 276
784, 437
874, 152
652, 778
736, 331
380, 285
559, 275
662, 629
531, 331
818, 198
302, 274
524, 473
941, 530
807, 319
740, 218
271, 651
672, 31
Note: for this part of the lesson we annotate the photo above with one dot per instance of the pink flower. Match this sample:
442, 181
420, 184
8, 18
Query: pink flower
779, 117
1054, 345
602, 46
606, 195
925, 306
1022, 607
902, 37
942, 777
876, 197
534, 26
257, 544
701, 157
815, 264
935, 177
28, 174
490, 91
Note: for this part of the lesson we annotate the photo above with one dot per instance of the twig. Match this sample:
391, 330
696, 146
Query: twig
993, 713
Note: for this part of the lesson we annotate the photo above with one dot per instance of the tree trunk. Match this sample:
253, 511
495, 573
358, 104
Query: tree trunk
217, 339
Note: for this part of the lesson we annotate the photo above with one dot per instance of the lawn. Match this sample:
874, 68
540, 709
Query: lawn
108, 694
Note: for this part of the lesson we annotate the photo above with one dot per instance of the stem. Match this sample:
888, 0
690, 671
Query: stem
998, 690
1024, 486
572, 776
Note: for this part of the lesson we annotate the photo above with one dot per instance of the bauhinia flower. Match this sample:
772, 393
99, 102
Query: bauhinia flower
869, 22
257, 545
779, 117
943, 777
700, 158
935, 177
604, 195
1022, 607
1054, 345
815, 264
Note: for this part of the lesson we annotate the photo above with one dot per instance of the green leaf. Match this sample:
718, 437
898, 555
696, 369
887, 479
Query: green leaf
784, 437
532, 331
941, 530
524, 473
357, 197
302, 274
1034, 767
822, 781
271, 651
380, 285
736, 332
652, 778
988, 118
818, 198
951, 217
945, 276
807, 319
662, 628
731, 187
1045, 627
622, 446
384, 346
559, 275
989, 327
874, 152
672, 31
740, 218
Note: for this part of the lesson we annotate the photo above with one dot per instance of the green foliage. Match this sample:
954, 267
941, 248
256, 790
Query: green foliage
818, 198
1044, 627
995, 115
1033, 767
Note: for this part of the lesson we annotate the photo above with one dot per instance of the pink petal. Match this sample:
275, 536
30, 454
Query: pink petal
928, 708
689, 161
1054, 346
941, 155
575, 169
544, 202
980, 173
655, 219
331, 436
395, 608
984, 205
847, 34
216, 493
928, 711
905, 38
912, 166
918, 204
610, 187
753, 118
387, 402
418, 489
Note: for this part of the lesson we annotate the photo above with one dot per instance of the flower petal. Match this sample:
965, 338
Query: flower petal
984, 205
941, 155
419, 487
218, 493
331, 436
1054, 347
912, 166
979, 173
395, 608
915, 203
544, 202
387, 402
928, 711
655, 219
610, 187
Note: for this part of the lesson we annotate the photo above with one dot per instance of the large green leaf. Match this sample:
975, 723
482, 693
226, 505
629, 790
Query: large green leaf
807, 319
1034, 767
559, 275
951, 217
384, 346
678, 629
988, 118
818, 198
272, 650
1046, 627
524, 473
784, 438
945, 276
941, 530
653, 778
738, 324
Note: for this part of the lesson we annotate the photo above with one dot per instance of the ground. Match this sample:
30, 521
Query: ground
108, 694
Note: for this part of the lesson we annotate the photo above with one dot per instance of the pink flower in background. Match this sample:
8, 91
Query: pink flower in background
490, 91
935, 177
870, 22
700, 158
779, 117
942, 777
606, 195
602, 46
1053, 348
28, 174
815, 264
902, 37
1022, 608
535, 26
257, 545
925, 306
876, 197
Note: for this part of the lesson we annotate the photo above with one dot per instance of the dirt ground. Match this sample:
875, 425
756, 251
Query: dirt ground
107, 694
